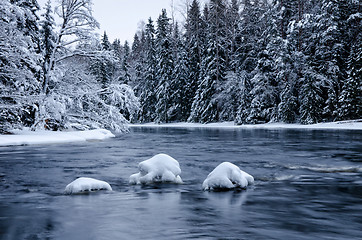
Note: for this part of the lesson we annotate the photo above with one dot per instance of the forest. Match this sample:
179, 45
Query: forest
245, 61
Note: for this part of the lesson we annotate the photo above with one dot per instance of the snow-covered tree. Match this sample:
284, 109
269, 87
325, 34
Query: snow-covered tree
164, 68
77, 23
18, 67
350, 100
106, 44
179, 109
48, 37
194, 44
148, 85
252, 61
80, 101
206, 107
125, 65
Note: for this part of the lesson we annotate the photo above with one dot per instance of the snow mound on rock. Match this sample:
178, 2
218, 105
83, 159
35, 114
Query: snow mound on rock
160, 168
227, 176
85, 184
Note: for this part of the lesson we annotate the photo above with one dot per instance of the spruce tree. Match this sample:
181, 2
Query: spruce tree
106, 45
179, 86
251, 44
206, 106
126, 68
194, 38
164, 68
350, 100
48, 37
351, 96
148, 86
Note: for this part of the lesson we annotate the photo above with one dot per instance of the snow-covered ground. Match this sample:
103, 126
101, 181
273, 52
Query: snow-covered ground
26, 137
346, 125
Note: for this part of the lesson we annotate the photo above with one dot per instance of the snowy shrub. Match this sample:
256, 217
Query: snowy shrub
85, 184
227, 176
160, 168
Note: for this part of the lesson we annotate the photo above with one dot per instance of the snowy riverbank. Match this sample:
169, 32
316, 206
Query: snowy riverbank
26, 137
343, 125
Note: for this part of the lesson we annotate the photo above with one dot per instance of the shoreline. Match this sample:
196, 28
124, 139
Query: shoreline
26, 137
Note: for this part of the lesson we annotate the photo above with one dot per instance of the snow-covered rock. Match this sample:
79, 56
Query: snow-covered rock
85, 184
227, 176
160, 168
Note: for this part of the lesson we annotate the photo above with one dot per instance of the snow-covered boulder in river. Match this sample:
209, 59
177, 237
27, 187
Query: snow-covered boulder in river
85, 184
227, 176
160, 168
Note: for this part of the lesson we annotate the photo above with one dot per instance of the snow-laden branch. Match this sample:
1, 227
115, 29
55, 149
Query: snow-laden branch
77, 22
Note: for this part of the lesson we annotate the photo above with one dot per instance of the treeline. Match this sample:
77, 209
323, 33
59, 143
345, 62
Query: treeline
244, 61
250, 62
51, 76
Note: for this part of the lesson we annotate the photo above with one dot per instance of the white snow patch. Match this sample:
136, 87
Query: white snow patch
85, 184
160, 168
26, 137
227, 176
346, 125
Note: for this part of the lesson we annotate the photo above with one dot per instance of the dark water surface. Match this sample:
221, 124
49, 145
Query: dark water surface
308, 186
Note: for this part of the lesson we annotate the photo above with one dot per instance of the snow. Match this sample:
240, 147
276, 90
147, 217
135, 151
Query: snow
160, 168
227, 176
85, 184
26, 137
343, 125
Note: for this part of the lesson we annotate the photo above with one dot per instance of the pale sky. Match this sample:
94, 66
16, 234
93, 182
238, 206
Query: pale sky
121, 18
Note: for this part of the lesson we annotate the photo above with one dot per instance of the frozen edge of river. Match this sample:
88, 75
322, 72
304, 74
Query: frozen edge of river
25, 137
342, 125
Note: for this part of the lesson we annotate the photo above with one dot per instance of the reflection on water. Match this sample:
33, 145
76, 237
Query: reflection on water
308, 186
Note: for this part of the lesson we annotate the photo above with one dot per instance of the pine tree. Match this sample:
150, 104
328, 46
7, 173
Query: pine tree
179, 98
233, 34
290, 60
351, 96
126, 77
106, 45
206, 107
137, 61
165, 66
102, 65
117, 49
350, 99
310, 100
264, 93
147, 88
48, 37
251, 28
330, 53
194, 38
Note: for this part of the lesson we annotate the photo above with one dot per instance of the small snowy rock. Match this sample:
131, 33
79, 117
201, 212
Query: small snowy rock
85, 184
227, 176
160, 168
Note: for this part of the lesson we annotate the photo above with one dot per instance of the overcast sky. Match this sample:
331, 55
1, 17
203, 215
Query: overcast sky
121, 18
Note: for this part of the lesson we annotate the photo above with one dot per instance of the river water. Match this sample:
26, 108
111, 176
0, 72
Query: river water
308, 185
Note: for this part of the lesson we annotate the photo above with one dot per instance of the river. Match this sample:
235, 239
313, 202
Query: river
308, 185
